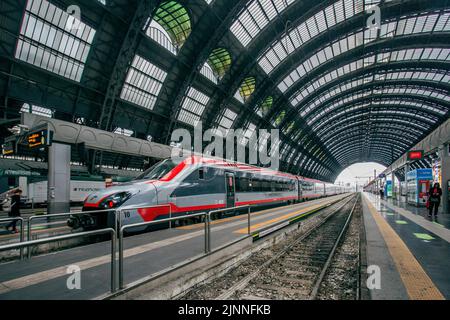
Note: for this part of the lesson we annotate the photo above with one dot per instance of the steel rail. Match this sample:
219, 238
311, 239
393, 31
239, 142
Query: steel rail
315, 290
244, 282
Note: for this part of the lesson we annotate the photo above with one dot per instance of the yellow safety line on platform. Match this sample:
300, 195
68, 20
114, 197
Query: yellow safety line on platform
278, 219
244, 217
417, 282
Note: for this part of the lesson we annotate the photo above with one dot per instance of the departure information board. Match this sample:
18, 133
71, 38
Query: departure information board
8, 148
39, 139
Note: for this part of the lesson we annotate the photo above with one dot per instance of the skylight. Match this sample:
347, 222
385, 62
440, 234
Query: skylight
193, 106
53, 40
143, 83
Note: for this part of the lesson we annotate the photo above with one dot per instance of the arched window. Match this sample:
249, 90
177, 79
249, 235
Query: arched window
220, 62
265, 107
246, 89
171, 26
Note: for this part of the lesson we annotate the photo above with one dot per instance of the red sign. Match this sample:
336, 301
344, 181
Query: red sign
415, 155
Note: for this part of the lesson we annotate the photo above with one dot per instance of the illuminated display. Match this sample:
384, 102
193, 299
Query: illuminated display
39, 139
415, 155
8, 148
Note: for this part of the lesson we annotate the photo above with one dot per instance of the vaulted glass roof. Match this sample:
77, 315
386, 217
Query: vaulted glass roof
338, 84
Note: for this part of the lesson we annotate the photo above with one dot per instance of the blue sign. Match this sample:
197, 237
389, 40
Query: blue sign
421, 174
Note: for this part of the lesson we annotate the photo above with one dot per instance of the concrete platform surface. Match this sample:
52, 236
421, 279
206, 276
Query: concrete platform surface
46, 277
412, 253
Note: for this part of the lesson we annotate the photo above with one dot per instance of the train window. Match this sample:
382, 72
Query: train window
158, 171
266, 186
256, 185
201, 174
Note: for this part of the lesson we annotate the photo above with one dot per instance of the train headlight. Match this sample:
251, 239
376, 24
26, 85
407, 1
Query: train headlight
115, 200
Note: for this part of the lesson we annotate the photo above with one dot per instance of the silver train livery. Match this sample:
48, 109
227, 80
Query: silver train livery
197, 184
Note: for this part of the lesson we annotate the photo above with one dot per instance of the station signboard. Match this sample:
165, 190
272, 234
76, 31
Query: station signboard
415, 155
39, 139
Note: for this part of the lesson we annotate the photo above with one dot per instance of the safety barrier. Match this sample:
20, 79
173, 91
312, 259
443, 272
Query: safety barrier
151, 223
62, 215
28, 244
214, 212
22, 231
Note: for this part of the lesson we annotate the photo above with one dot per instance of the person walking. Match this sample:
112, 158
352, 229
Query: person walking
434, 198
14, 212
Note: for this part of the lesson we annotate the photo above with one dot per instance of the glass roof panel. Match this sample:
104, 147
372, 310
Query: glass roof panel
193, 106
255, 17
53, 40
143, 83
226, 120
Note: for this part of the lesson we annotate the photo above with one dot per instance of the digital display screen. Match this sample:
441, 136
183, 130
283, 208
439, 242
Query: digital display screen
415, 155
38, 139
8, 148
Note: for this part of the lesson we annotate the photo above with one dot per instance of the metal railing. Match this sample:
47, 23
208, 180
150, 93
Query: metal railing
111, 231
151, 223
62, 215
214, 212
22, 231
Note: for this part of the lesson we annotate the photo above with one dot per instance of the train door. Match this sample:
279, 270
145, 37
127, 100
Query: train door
230, 189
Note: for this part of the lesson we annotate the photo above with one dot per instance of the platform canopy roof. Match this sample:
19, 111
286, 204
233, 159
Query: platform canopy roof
342, 86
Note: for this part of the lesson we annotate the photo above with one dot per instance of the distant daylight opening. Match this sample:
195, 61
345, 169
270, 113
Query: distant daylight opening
359, 174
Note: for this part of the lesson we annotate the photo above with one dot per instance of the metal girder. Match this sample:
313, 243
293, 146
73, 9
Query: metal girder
406, 66
247, 63
394, 84
372, 111
380, 130
394, 118
207, 44
143, 12
384, 101
300, 54
429, 144
359, 136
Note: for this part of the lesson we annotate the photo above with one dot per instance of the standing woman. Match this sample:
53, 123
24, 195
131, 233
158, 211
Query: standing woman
15, 209
434, 197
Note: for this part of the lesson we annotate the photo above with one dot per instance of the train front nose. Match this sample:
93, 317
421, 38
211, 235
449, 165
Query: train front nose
100, 208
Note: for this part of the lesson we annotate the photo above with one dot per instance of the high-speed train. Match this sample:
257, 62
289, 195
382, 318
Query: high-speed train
197, 184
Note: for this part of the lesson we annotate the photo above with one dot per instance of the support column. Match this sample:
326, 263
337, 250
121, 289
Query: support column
58, 192
444, 154
406, 182
394, 195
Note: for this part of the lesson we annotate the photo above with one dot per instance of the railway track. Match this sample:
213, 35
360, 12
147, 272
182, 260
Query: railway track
295, 269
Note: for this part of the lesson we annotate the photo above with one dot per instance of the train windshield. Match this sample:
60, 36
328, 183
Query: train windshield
158, 171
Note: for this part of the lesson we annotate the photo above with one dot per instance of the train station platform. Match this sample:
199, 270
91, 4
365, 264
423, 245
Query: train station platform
46, 276
411, 252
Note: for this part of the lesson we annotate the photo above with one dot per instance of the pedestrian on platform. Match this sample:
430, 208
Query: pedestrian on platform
434, 198
381, 193
14, 212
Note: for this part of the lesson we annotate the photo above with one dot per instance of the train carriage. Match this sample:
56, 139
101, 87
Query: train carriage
194, 184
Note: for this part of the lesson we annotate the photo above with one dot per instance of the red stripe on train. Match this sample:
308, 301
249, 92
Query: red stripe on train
150, 214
